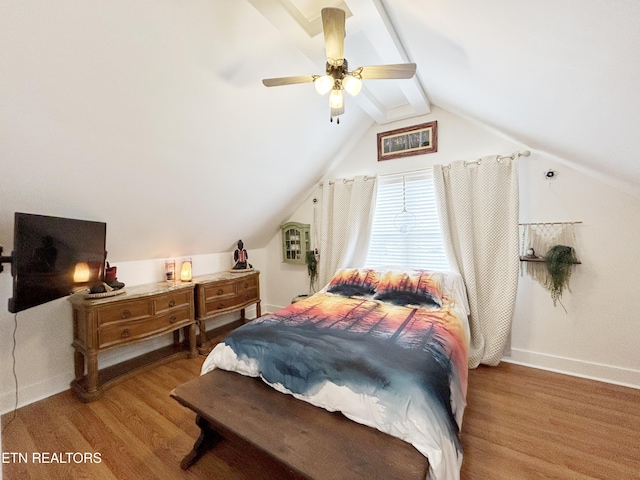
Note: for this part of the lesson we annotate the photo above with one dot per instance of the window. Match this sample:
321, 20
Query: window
421, 246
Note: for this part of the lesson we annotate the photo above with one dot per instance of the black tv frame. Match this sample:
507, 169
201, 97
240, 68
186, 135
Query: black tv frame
62, 279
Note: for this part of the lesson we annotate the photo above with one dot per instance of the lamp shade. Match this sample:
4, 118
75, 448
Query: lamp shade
352, 84
335, 112
81, 273
323, 84
186, 274
336, 99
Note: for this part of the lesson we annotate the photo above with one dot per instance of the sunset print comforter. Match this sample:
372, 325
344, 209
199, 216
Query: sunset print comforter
388, 349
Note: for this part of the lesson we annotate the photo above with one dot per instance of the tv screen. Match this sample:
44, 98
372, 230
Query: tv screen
54, 257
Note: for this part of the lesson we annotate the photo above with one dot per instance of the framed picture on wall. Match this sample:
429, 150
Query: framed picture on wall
408, 141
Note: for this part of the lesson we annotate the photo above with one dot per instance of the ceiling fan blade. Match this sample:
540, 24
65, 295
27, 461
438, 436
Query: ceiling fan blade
380, 72
276, 82
333, 20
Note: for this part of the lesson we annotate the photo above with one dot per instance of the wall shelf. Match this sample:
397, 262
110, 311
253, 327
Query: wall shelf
539, 259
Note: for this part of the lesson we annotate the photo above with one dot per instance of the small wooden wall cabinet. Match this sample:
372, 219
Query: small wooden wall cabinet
138, 314
224, 292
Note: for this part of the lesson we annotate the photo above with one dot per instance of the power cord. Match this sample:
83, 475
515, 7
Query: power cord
15, 376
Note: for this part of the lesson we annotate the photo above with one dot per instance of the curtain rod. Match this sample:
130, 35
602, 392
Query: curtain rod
549, 223
347, 180
513, 156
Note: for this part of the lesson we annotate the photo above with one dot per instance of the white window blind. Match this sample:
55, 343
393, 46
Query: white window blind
421, 246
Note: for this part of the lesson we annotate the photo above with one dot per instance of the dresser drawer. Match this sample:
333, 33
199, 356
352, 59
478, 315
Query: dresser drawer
222, 303
124, 332
247, 295
247, 283
220, 290
125, 311
172, 300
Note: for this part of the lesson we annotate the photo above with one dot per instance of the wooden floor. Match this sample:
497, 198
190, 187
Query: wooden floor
520, 423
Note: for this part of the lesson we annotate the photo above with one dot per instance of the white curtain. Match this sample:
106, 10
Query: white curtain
478, 209
346, 210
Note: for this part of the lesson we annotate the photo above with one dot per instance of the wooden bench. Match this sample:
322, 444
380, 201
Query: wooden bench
310, 441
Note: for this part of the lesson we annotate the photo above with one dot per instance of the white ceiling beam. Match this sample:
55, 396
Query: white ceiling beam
377, 27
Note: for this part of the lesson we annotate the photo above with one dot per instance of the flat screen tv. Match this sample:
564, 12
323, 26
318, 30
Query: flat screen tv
54, 257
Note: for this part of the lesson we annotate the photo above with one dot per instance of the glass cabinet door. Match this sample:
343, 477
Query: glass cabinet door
295, 242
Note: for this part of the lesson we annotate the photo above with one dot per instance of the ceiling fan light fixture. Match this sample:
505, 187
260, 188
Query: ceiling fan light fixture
337, 76
352, 84
323, 84
336, 100
336, 112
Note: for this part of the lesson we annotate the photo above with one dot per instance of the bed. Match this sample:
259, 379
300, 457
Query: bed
386, 348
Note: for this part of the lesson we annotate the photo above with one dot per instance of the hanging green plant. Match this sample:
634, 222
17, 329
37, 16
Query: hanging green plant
312, 268
559, 260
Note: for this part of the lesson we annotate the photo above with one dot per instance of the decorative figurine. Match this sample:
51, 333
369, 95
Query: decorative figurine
110, 277
240, 257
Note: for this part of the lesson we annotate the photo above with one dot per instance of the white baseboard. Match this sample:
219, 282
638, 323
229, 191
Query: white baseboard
626, 377
31, 393
570, 366
267, 308
34, 392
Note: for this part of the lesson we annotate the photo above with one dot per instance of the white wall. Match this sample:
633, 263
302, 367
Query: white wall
287, 280
457, 140
598, 336
44, 356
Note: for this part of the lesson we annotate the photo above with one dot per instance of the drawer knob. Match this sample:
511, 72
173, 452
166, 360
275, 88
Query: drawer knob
126, 314
220, 306
172, 303
125, 333
173, 319
220, 291
246, 285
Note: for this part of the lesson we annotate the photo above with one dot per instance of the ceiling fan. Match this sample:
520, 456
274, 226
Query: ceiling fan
338, 77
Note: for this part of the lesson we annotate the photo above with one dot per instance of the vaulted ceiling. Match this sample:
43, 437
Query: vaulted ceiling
151, 115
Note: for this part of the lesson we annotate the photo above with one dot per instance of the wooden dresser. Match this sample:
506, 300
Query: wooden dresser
221, 293
142, 312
